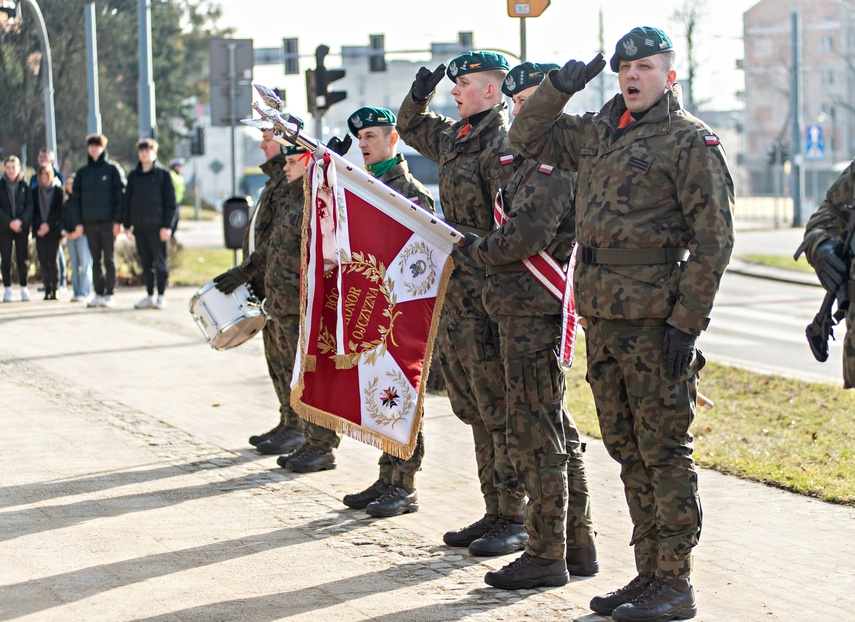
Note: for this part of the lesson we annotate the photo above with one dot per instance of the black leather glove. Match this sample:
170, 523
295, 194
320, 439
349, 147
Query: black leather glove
340, 146
575, 74
426, 81
679, 347
230, 280
829, 265
466, 249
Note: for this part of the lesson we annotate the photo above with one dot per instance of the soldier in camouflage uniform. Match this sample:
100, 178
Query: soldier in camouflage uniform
823, 247
655, 233
543, 440
277, 229
394, 492
474, 158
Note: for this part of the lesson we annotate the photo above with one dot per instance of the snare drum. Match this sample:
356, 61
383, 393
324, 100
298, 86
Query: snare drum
227, 320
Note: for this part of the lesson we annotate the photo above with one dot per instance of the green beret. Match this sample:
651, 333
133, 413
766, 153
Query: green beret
370, 117
293, 150
639, 43
475, 61
524, 76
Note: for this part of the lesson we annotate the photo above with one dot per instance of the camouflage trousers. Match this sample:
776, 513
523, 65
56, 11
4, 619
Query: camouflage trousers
472, 370
402, 472
280, 347
546, 451
849, 349
644, 417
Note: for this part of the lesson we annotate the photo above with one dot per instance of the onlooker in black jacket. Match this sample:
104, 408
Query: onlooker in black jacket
147, 211
47, 227
97, 199
46, 156
16, 216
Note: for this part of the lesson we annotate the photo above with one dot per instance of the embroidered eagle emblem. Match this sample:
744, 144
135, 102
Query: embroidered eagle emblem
629, 47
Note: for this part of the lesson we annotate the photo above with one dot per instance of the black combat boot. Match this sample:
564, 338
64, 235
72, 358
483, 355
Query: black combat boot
467, 535
507, 536
395, 501
664, 599
283, 460
256, 439
526, 572
604, 605
583, 562
359, 500
311, 460
284, 441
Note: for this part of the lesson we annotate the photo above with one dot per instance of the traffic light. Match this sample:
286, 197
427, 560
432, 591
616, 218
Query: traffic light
197, 142
291, 57
785, 151
324, 98
772, 153
311, 90
377, 53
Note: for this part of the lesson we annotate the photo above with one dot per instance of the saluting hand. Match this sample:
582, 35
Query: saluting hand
575, 74
426, 81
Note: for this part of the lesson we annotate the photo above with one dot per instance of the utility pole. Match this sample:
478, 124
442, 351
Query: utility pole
93, 122
145, 90
797, 171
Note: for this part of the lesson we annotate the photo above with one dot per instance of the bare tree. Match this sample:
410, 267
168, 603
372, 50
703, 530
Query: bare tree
688, 17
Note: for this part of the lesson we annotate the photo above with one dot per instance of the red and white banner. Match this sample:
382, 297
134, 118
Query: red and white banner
557, 281
374, 271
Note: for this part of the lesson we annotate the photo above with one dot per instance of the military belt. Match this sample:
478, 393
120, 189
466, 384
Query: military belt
630, 256
467, 228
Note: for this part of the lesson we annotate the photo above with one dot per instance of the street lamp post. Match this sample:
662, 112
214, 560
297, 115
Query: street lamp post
13, 9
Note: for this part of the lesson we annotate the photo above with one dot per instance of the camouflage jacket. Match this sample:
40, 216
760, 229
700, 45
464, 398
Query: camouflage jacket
264, 215
663, 184
539, 202
282, 264
471, 171
829, 221
399, 179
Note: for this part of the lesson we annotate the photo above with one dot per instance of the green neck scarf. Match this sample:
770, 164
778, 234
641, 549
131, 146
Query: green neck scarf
381, 167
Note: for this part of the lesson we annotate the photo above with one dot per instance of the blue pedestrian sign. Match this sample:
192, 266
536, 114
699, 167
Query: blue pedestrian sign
814, 143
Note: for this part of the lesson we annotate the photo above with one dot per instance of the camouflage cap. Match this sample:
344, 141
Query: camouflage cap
524, 76
370, 117
472, 62
638, 43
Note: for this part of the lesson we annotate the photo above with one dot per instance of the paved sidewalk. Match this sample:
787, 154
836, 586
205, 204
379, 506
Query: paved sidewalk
128, 492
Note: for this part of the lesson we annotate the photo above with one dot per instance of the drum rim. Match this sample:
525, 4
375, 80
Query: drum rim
233, 323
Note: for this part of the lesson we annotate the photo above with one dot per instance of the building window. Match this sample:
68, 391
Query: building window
827, 78
826, 44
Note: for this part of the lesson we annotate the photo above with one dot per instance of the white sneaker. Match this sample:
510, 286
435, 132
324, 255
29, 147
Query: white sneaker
145, 303
107, 301
78, 298
7, 295
161, 303
95, 302
25, 295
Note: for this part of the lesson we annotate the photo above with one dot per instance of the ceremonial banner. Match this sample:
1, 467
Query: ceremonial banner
374, 271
